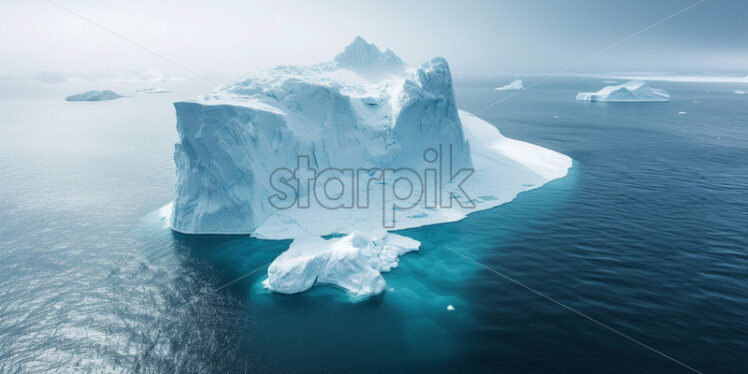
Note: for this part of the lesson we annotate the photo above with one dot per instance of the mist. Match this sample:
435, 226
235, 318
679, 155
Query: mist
477, 37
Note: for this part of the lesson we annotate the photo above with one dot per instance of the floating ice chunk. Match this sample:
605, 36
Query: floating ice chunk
515, 85
450, 307
739, 92
353, 262
682, 113
94, 95
633, 91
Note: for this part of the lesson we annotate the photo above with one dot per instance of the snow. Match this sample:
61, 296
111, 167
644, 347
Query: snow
94, 95
367, 110
515, 85
353, 263
633, 91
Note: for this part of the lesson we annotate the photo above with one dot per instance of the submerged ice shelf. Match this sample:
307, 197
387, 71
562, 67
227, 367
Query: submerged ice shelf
366, 110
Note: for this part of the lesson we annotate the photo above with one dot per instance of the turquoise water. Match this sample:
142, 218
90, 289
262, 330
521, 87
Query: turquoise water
648, 234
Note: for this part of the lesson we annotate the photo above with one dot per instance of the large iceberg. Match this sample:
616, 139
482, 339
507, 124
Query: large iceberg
633, 91
515, 85
248, 148
94, 95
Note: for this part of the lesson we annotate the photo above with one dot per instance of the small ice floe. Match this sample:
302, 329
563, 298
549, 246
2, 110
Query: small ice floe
739, 92
514, 85
450, 307
556, 117
682, 113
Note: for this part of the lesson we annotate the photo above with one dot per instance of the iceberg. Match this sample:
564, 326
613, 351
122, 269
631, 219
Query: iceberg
353, 262
633, 91
156, 90
739, 92
366, 112
94, 95
514, 85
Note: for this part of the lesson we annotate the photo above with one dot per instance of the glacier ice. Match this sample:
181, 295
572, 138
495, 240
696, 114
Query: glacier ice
353, 262
633, 91
366, 109
514, 85
94, 95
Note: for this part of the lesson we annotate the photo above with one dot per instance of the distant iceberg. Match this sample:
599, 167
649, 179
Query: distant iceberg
515, 85
633, 91
152, 91
739, 92
94, 95
364, 110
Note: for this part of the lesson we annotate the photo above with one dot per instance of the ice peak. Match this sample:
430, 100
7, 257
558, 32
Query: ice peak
366, 57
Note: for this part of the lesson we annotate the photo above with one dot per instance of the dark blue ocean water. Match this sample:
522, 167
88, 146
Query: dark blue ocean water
648, 234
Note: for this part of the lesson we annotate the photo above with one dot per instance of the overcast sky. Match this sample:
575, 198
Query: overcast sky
238, 37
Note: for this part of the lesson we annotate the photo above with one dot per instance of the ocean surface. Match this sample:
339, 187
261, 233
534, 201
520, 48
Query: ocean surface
648, 235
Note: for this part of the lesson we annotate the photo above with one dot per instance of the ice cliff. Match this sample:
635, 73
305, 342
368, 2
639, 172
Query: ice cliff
94, 95
365, 111
633, 91
515, 85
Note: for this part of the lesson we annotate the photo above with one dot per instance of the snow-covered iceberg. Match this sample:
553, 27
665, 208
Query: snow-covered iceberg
633, 91
514, 85
94, 95
366, 112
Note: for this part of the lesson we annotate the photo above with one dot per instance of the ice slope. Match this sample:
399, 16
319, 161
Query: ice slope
94, 95
363, 110
514, 85
633, 91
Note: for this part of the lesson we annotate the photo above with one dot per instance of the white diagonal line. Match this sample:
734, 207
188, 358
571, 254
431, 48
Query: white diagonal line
571, 66
575, 311
120, 36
